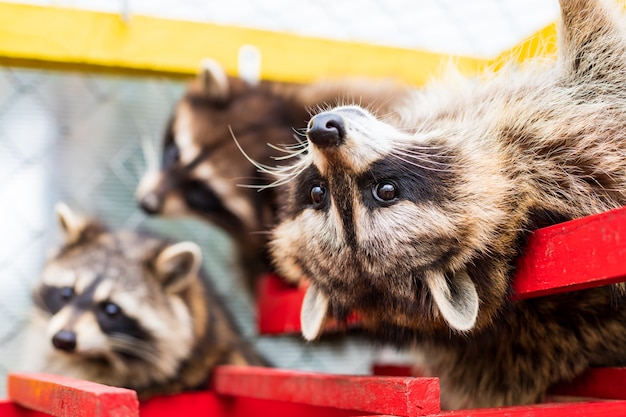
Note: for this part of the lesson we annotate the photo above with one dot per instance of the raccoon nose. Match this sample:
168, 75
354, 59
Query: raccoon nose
151, 203
64, 340
326, 129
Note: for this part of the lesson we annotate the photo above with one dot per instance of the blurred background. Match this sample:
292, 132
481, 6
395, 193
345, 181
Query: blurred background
73, 118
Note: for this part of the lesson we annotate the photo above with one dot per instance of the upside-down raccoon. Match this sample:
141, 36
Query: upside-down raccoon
202, 171
416, 224
130, 309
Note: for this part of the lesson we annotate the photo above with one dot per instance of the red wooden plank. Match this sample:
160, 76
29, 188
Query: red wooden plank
607, 383
199, 403
10, 409
68, 397
390, 395
209, 403
574, 255
392, 370
577, 409
278, 306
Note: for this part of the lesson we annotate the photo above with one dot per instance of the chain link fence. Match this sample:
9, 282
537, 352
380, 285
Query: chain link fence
78, 138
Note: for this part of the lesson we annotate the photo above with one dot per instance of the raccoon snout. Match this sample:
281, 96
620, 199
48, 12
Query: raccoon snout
64, 340
326, 129
151, 203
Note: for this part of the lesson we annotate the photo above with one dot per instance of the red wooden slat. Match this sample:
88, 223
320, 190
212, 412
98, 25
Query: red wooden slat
278, 305
577, 409
574, 255
62, 396
388, 395
392, 370
608, 383
210, 404
200, 403
10, 409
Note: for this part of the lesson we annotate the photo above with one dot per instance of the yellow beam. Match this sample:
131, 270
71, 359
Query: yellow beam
53, 37
542, 43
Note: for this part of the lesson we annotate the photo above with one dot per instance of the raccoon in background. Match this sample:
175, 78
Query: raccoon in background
132, 310
202, 171
416, 224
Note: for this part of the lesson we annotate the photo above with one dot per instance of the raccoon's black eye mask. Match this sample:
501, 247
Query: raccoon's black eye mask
171, 154
53, 299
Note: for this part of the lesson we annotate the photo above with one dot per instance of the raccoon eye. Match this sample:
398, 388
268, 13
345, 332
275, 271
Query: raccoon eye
171, 154
111, 309
318, 193
52, 299
66, 293
385, 191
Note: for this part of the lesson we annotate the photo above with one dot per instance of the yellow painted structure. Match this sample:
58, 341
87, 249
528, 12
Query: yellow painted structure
53, 37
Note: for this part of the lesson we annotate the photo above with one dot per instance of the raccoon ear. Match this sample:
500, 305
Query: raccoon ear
456, 298
313, 312
177, 265
214, 80
72, 225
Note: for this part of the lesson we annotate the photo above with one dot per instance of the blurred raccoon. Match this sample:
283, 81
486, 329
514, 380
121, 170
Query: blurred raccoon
131, 310
202, 171
416, 223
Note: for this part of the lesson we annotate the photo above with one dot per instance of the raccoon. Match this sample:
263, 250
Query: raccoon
202, 171
130, 309
415, 222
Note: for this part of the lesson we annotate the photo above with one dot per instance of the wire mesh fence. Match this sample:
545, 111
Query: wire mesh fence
77, 137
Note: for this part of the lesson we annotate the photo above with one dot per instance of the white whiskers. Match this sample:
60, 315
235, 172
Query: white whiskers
283, 173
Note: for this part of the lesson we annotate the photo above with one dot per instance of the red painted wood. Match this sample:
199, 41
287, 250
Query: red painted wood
278, 306
607, 383
199, 403
392, 370
10, 409
391, 395
576, 409
574, 255
210, 404
188, 404
62, 396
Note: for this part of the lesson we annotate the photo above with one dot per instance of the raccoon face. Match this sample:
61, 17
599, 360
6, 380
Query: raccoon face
115, 303
202, 172
91, 321
417, 224
383, 230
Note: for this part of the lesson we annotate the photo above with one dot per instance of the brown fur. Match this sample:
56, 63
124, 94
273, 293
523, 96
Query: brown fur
168, 329
476, 166
205, 173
